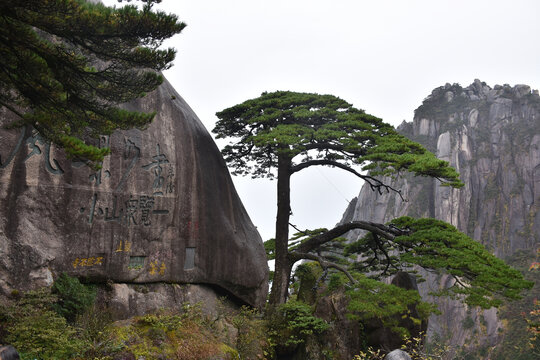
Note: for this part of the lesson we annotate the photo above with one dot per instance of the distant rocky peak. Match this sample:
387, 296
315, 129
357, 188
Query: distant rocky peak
478, 90
452, 108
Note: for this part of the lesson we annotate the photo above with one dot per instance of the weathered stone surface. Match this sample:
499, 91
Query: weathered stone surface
492, 137
128, 300
162, 210
397, 355
345, 337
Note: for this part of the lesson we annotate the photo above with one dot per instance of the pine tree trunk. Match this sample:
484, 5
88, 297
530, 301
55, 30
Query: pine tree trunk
283, 267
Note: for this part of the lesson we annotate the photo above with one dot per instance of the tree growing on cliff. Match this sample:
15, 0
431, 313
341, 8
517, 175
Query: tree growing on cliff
282, 133
65, 65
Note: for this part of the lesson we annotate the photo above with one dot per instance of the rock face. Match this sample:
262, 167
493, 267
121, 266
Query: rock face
492, 137
127, 300
163, 209
397, 355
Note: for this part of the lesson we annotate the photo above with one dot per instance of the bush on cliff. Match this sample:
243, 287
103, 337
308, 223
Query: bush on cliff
74, 298
31, 324
36, 330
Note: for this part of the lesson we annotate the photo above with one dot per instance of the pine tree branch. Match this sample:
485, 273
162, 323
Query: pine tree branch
329, 146
387, 232
380, 246
297, 256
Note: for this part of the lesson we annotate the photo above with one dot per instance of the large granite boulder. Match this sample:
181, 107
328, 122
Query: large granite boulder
163, 209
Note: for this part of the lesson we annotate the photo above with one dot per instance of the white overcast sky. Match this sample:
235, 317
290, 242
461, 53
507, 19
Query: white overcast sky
384, 56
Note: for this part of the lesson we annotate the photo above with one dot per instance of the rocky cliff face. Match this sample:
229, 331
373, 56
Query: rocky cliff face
162, 209
492, 137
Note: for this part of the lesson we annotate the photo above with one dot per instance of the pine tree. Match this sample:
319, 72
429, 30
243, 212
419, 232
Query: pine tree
65, 65
282, 133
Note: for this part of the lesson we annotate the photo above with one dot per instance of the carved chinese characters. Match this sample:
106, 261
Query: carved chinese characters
161, 209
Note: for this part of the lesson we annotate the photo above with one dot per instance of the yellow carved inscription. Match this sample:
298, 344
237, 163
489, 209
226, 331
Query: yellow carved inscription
124, 246
85, 262
155, 268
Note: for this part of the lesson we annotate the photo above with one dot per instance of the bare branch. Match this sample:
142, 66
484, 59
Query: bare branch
458, 281
320, 279
380, 246
306, 164
374, 184
297, 229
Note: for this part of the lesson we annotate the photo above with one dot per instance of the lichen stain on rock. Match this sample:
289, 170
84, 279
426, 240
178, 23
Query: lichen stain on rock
163, 194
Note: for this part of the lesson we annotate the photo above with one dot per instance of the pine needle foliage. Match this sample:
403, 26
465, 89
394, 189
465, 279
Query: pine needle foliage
65, 65
291, 324
318, 129
481, 278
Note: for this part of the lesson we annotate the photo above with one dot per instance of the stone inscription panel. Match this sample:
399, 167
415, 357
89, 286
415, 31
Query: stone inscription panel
134, 190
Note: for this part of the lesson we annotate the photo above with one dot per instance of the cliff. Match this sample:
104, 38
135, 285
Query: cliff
492, 137
162, 210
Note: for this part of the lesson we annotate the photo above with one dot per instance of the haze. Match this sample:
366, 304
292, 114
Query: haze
383, 56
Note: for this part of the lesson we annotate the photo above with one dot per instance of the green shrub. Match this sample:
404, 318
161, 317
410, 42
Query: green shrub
336, 281
93, 326
291, 324
372, 299
74, 298
306, 278
32, 324
37, 331
44, 335
250, 341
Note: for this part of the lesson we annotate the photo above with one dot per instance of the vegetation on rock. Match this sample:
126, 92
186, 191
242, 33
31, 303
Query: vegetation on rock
413, 346
36, 330
31, 324
74, 298
520, 340
291, 324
